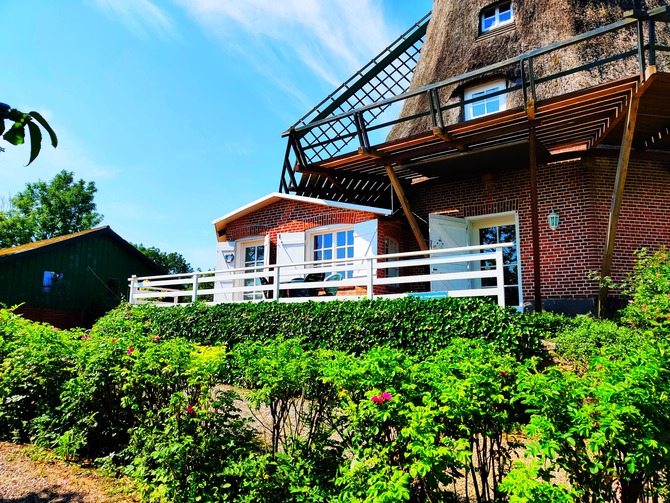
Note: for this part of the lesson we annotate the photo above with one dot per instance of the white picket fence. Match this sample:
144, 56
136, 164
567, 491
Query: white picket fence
381, 276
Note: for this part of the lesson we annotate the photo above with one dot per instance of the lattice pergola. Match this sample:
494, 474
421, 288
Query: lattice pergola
387, 75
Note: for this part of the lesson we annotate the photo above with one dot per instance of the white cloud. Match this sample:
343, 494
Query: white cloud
140, 16
334, 38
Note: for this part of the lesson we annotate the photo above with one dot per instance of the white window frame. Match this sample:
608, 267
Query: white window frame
483, 90
329, 229
493, 12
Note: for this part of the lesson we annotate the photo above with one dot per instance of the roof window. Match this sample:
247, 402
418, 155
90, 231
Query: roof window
495, 16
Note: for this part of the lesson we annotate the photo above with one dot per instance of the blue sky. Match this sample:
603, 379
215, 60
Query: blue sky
175, 108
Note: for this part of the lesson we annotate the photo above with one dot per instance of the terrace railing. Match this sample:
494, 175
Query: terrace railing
381, 276
325, 137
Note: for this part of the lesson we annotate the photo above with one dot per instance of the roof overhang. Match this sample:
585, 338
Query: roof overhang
275, 197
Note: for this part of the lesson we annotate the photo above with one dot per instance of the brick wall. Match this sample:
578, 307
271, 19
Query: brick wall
581, 193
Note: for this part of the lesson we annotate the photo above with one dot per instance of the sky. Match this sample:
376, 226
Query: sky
175, 108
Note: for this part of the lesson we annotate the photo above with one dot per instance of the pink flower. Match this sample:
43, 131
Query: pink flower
190, 410
114, 339
130, 351
384, 397
155, 338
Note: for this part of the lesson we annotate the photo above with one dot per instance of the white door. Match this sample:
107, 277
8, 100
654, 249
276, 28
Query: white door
448, 232
253, 255
494, 229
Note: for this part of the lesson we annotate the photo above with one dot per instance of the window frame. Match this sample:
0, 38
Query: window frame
493, 11
497, 220
240, 262
472, 92
311, 249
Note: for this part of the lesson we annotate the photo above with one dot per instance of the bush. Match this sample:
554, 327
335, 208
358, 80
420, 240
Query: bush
608, 426
586, 337
421, 326
649, 286
37, 360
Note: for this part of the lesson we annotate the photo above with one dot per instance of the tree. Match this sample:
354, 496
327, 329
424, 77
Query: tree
16, 134
47, 210
171, 263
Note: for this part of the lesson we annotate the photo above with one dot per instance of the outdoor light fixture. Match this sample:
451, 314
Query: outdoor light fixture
229, 257
553, 220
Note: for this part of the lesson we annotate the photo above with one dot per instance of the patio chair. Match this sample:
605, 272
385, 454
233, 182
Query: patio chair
332, 290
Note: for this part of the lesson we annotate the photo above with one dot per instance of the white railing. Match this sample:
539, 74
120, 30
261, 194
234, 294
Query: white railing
381, 276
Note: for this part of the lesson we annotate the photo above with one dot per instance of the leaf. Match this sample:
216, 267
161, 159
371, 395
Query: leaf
35, 141
16, 134
52, 135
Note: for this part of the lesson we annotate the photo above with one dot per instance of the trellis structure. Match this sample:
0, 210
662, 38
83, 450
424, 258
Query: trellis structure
387, 75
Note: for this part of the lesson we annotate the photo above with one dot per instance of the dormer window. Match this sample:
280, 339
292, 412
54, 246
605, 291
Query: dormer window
488, 104
496, 16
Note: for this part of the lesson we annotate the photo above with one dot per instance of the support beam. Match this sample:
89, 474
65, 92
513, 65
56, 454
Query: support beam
395, 182
535, 218
617, 198
442, 133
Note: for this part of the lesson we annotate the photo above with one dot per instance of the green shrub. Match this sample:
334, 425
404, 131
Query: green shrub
610, 424
649, 287
37, 360
421, 326
587, 337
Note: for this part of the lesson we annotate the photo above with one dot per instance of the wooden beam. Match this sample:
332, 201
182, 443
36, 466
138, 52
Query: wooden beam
369, 152
530, 109
535, 218
442, 133
617, 197
395, 182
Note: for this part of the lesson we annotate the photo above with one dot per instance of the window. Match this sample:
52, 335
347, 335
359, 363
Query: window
391, 246
334, 244
488, 104
496, 16
52, 283
254, 256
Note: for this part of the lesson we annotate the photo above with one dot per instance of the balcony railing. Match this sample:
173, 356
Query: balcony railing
454, 272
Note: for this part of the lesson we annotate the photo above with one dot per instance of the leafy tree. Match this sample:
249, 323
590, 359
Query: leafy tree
171, 263
16, 134
47, 210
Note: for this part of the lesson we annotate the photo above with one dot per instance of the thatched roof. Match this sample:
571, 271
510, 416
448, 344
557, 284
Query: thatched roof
454, 46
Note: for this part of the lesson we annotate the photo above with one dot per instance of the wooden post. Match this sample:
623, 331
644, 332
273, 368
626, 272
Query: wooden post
406, 208
535, 219
133, 286
617, 198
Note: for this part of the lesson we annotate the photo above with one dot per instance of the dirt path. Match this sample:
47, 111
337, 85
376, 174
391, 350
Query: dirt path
26, 480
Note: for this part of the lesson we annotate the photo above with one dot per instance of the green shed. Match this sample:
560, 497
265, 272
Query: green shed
71, 280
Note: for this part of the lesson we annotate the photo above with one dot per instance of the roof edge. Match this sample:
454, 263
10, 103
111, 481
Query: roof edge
277, 196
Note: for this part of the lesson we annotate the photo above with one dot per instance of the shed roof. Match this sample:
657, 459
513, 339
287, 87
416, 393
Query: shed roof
7, 254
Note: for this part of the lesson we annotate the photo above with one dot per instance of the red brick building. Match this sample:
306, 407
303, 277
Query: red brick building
562, 150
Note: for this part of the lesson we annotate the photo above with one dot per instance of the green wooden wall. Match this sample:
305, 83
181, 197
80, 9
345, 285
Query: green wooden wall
90, 265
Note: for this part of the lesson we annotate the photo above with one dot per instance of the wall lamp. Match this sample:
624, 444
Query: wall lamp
228, 257
552, 218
